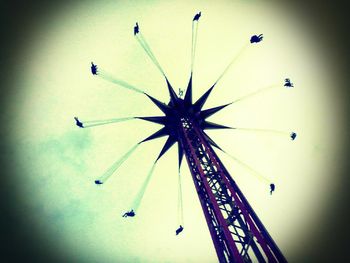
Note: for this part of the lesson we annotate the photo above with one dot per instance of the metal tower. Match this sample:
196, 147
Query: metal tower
237, 233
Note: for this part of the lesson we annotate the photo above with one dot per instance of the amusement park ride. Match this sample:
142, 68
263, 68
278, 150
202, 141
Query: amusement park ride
237, 232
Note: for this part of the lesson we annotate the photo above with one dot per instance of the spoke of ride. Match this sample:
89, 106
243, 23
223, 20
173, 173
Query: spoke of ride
140, 38
253, 172
194, 41
108, 77
262, 130
138, 199
232, 61
107, 174
180, 203
88, 124
257, 92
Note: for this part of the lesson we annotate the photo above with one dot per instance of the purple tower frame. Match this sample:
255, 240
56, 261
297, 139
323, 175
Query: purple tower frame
237, 233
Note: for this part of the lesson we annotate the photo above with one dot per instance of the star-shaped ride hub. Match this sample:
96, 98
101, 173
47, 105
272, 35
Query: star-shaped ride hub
179, 110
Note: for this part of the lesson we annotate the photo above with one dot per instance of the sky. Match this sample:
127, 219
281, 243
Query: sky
84, 220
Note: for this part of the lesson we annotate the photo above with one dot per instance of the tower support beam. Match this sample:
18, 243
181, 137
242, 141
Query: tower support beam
237, 233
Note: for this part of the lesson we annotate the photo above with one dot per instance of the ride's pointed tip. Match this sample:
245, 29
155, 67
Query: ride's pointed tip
149, 96
209, 112
144, 140
213, 126
172, 93
190, 80
169, 86
201, 101
188, 93
168, 144
159, 120
162, 106
98, 182
160, 133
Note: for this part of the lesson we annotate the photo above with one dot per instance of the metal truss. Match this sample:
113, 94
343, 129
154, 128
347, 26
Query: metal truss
236, 231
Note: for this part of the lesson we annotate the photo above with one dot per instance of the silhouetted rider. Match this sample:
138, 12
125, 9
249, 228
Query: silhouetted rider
179, 230
288, 84
272, 188
197, 16
256, 39
93, 69
293, 135
78, 123
136, 29
130, 213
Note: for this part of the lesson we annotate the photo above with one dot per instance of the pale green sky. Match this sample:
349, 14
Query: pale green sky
63, 161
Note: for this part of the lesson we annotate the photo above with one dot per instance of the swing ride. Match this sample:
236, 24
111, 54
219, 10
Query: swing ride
237, 232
